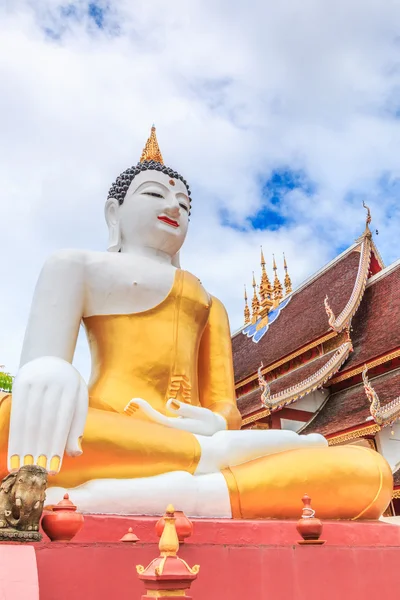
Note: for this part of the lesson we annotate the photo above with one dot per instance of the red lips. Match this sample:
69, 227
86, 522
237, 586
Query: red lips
168, 221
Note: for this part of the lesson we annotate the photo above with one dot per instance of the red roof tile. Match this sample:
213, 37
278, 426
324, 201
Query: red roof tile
350, 408
303, 320
376, 325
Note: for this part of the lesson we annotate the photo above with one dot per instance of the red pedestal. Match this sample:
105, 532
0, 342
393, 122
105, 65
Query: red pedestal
238, 559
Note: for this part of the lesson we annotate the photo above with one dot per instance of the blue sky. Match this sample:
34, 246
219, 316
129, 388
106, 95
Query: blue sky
282, 120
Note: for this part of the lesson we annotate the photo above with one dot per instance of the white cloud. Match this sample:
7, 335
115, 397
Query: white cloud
235, 91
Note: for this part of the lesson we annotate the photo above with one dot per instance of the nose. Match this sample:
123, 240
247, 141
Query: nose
173, 210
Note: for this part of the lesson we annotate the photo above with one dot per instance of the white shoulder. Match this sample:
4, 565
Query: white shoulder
67, 257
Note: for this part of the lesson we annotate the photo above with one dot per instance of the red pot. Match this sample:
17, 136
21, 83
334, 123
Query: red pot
184, 527
308, 526
63, 522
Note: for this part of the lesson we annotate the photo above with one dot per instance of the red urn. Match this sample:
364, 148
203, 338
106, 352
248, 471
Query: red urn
184, 527
63, 522
308, 526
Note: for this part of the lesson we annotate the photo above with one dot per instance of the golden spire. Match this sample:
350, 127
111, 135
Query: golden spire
169, 543
246, 308
265, 288
287, 280
277, 285
255, 303
151, 150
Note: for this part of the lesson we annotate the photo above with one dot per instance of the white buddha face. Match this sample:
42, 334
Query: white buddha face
155, 213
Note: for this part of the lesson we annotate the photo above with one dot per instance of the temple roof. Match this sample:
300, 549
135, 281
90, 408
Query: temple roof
350, 408
304, 319
249, 403
375, 327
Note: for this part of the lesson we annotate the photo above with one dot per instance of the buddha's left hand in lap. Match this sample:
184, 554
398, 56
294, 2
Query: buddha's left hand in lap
195, 419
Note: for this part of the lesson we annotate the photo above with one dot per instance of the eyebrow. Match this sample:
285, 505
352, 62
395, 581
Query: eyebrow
149, 183
146, 184
184, 195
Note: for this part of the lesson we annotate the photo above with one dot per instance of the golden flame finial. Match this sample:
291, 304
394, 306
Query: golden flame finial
246, 308
152, 150
287, 281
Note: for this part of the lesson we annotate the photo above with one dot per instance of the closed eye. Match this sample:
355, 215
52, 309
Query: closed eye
154, 194
182, 205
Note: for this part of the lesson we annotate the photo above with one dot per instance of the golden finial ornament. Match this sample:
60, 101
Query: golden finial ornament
368, 218
247, 317
168, 574
367, 232
152, 150
287, 281
266, 294
265, 285
255, 303
278, 293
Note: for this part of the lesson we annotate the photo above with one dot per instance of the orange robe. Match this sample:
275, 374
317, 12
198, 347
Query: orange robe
181, 349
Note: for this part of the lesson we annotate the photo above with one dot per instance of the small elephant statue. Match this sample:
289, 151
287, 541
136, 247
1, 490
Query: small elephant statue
22, 496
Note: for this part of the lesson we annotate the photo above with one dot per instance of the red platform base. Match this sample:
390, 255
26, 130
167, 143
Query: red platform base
238, 559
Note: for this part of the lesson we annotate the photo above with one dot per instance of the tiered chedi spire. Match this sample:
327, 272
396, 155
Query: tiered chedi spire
287, 281
268, 296
266, 290
247, 316
255, 303
278, 290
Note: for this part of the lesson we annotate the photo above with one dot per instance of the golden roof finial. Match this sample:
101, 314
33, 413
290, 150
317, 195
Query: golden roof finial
246, 308
169, 543
277, 285
152, 150
367, 231
255, 303
287, 281
265, 288
262, 258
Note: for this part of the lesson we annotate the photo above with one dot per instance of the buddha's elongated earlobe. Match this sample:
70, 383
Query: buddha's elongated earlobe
114, 238
114, 231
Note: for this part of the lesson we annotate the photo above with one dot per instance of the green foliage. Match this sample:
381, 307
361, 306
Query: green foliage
6, 381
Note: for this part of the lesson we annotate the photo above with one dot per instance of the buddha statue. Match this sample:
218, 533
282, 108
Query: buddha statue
158, 421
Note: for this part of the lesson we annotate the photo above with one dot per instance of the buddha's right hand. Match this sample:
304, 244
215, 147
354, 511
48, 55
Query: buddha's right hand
48, 414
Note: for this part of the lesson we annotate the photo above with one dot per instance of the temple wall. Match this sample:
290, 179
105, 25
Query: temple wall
389, 445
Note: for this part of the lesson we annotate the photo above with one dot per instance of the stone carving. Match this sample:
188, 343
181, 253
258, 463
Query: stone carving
22, 496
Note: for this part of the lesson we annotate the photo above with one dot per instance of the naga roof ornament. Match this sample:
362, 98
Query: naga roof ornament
277, 401
151, 151
382, 415
344, 318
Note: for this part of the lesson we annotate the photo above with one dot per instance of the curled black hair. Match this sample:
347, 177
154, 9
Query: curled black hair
121, 185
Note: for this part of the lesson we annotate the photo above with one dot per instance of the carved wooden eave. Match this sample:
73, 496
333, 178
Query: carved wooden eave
285, 397
343, 320
382, 415
354, 434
